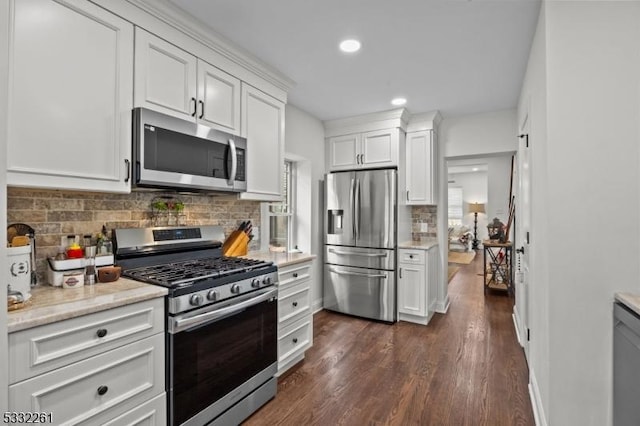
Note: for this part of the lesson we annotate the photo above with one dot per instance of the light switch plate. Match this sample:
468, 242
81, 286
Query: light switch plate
256, 233
424, 227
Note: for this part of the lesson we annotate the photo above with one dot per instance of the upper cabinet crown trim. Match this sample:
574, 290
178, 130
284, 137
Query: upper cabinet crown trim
188, 25
424, 121
367, 122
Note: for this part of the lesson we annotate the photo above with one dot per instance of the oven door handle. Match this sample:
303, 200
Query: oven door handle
182, 324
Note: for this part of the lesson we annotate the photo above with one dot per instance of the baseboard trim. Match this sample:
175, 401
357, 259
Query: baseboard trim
443, 306
516, 325
316, 306
536, 400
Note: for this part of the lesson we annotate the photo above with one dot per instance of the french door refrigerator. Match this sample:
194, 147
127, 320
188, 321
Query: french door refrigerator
360, 241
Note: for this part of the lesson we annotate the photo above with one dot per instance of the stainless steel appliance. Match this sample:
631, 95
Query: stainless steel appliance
172, 153
626, 366
221, 321
360, 243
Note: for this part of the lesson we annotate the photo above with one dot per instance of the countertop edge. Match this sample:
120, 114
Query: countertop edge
418, 245
281, 259
631, 301
27, 318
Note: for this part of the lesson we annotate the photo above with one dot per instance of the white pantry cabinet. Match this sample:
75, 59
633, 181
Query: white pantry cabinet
417, 284
102, 368
70, 96
263, 126
378, 148
175, 82
295, 320
421, 168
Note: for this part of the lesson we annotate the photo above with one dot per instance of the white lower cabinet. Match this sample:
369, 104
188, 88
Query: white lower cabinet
295, 319
417, 279
102, 368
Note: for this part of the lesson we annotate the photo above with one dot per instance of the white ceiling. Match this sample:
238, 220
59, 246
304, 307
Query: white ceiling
460, 57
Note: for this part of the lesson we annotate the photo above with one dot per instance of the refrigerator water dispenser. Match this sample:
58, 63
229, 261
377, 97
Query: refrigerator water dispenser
334, 223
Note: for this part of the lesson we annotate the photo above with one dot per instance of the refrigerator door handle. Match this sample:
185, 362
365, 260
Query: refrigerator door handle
357, 212
387, 208
352, 253
352, 200
357, 274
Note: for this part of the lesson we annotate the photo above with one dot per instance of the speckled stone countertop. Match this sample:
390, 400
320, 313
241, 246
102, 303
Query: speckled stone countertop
419, 245
281, 259
631, 301
50, 304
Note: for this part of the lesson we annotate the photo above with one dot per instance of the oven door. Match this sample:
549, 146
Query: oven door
220, 354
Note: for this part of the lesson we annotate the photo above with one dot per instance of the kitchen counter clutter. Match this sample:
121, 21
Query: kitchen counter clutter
51, 304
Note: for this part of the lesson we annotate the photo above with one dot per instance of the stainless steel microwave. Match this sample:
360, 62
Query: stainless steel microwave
172, 153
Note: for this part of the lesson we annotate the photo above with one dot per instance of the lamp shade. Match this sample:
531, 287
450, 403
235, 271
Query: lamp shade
476, 208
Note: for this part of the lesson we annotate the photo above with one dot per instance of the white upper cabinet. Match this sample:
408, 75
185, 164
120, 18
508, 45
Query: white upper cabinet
263, 126
421, 172
364, 150
175, 82
70, 86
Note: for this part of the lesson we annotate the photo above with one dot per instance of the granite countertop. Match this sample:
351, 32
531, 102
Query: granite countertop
631, 301
419, 245
50, 304
281, 259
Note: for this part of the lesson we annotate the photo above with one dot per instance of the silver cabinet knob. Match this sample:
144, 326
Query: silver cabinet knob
235, 289
213, 295
195, 300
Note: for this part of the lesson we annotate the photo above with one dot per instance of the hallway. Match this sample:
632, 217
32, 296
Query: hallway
464, 368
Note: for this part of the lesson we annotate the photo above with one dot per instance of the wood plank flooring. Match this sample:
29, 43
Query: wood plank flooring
464, 368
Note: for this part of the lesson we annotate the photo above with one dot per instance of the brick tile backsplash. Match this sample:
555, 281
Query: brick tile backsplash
424, 214
56, 213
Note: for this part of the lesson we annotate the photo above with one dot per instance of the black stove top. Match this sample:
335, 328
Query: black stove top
186, 272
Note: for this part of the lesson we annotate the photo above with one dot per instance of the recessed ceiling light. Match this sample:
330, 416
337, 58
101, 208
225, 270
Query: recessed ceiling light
398, 101
475, 169
350, 46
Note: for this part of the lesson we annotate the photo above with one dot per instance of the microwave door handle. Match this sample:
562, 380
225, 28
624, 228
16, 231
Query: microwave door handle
234, 162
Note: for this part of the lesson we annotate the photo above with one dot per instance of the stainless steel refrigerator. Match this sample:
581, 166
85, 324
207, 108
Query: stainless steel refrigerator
360, 223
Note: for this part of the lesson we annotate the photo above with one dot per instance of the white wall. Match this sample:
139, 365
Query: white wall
304, 137
592, 159
498, 179
479, 134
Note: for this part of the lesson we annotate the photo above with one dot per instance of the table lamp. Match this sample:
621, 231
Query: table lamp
475, 208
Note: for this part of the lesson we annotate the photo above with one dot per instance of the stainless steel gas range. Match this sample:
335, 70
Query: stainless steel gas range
221, 323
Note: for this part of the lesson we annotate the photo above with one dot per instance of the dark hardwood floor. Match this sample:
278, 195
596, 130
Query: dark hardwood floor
464, 368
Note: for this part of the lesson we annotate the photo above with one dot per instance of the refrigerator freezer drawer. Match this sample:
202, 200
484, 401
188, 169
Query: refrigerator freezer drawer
360, 257
362, 292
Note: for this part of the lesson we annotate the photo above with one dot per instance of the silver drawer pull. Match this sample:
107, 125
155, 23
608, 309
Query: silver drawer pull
358, 274
351, 253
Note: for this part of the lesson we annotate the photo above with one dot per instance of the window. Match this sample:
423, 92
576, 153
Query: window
455, 206
281, 215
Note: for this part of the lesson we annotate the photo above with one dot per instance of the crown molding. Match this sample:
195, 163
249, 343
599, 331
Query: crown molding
424, 121
182, 21
367, 122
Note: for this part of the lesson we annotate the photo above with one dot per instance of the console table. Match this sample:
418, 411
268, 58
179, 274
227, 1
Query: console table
498, 265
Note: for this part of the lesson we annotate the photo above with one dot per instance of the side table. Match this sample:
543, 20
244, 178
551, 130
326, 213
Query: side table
498, 265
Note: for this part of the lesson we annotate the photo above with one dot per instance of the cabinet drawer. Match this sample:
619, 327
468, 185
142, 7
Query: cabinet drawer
293, 303
295, 339
291, 275
41, 349
91, 391
151, 413
415, 257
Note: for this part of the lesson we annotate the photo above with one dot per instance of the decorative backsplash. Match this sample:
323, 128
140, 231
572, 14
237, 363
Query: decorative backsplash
56, 213
424, 214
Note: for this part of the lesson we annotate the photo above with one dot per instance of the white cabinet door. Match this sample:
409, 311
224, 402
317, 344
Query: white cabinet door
70, 85
380, 148
344, 152
218, 98
263, 126
165, 77
420, 177
412, 290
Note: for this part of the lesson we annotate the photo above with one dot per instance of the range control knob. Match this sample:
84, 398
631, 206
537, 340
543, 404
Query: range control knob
235, 289
266, 281
255, 283
195, 300
213, 295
